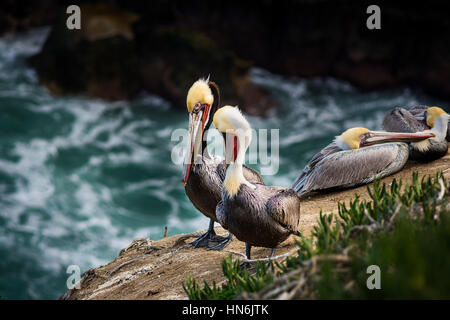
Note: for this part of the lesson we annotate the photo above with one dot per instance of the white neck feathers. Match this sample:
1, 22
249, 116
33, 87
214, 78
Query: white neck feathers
341, 143
235, 177
440, 131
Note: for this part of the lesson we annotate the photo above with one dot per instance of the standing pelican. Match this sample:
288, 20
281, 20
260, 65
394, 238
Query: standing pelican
203, 173
357, 156
417, 119
257, 214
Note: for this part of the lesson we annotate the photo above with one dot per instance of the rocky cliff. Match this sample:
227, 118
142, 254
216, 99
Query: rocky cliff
149, 269
124, 47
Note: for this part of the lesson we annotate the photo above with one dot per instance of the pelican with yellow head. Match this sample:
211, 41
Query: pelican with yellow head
256, 214
356, 157
203, 173
422, 118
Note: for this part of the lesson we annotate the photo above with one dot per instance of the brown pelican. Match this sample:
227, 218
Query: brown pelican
357, 156
203, 173
417, 119
257, 214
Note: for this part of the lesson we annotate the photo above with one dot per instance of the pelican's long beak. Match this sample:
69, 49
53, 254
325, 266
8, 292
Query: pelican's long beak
197, 122
377, 137
231, 144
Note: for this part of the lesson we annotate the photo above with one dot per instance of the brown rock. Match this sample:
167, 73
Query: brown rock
101, 21
367, 76
252, 99
99, 60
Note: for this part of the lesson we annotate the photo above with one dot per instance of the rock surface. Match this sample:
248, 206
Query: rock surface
16, 16
156, 269
173, 43
118, 53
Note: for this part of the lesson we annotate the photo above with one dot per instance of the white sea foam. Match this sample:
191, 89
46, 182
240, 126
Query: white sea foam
69, 189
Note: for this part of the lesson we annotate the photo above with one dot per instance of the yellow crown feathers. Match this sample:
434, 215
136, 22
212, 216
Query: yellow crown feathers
199, 92
432, 114
352, 136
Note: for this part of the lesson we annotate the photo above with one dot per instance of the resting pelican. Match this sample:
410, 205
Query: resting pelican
256, 214
357, 156
203, 173
417, 119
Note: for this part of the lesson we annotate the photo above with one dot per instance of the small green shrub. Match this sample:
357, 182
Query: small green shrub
405, 231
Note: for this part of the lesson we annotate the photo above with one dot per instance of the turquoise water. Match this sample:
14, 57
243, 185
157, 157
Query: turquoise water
81, 178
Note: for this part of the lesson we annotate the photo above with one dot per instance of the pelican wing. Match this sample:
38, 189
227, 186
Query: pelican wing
354, 167
317, 158
252, 175
419, 112
221, 215
284, 208
325, 152
402, 120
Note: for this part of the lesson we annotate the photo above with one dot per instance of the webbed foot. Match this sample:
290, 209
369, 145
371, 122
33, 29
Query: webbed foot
218, 242
203, 240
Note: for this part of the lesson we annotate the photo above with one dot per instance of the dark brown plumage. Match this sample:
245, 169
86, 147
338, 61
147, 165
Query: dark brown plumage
204, 187
257, 214
263, 217
203, 173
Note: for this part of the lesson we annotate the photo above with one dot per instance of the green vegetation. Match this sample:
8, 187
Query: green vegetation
404, 231
238, 280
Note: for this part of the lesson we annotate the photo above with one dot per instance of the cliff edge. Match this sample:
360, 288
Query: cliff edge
149, 269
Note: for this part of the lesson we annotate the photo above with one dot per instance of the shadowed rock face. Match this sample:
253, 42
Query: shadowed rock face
117, 53
171, 43
99, 60
16, 16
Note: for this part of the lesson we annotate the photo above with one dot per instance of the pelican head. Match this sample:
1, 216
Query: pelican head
199, 104
199, 95
237, 135
437, 119
356, 138
235, 129
435, 113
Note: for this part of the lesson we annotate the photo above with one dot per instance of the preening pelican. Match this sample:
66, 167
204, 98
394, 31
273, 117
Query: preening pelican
417, 119
203, 173
357, 156
256, 214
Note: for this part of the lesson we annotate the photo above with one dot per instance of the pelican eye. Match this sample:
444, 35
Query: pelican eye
363, 138
197, 107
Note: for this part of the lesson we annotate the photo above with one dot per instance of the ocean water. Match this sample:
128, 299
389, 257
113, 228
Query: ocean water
81, 178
